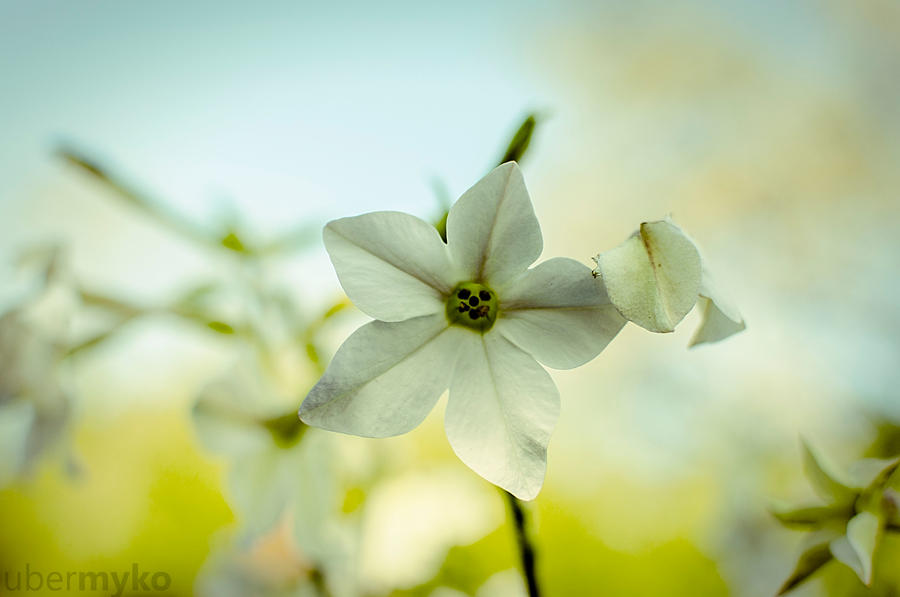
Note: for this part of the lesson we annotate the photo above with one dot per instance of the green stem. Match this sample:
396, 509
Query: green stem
318, 582
526, 548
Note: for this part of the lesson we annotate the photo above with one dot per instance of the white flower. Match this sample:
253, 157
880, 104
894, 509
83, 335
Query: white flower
35, 411
657, 276
468, 315
276, 468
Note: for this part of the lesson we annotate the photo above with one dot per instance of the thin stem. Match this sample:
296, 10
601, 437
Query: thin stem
318, 582
526, 548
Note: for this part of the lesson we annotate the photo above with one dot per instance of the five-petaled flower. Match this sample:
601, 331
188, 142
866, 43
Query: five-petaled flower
467, 314
861, 505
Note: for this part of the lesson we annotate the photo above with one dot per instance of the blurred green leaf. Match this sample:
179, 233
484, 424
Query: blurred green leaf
232, 242
286, 429
301, 237
126, 193
811, 515
95, 341
515, 150
309, 336
220, 327
809, 561
334, 309
107, 303
518, 145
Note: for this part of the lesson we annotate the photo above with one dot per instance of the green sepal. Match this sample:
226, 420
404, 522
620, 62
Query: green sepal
811, 516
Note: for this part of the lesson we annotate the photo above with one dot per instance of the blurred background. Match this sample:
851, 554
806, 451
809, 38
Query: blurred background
165, 171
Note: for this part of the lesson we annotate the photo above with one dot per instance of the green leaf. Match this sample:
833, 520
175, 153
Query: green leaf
95, 341
857, 548
810, 515
126, 193
232, 242
441, 226
220, 327
823, 479
809, 561
518, 145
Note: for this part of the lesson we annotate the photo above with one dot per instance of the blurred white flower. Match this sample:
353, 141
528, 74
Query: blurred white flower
271, 565
657, 276
34, 409
277, 470
468, 315
860, 506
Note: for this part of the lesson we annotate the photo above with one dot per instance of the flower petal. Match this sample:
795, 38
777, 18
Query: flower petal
872, 471
813, 558
492, 232
16, 420
653, 278
826, 481
385, 378
719, 318
558, 313
502, 408
393, 266
857, 548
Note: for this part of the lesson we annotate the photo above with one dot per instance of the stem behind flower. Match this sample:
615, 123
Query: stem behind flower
526, 549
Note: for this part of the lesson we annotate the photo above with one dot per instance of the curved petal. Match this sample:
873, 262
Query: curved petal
393, 266
719, 318
823, 476
502, 408
857, 548
558, 313
812, 558
385, 378
653, 278
492, 232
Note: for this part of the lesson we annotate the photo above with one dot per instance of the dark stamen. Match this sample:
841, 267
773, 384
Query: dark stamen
485, 295
473, 301
463, 308
464, 293
473, 314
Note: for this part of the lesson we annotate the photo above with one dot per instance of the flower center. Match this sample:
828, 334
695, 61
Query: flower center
472, 305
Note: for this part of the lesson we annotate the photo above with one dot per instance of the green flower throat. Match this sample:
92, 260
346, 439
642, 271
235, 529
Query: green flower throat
472, 305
